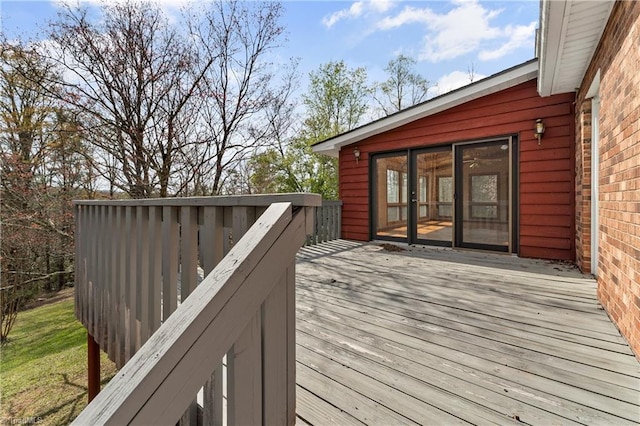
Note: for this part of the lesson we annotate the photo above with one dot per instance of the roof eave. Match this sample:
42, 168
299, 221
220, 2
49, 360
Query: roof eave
492, 84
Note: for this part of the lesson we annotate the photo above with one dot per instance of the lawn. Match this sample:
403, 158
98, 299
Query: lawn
43, 368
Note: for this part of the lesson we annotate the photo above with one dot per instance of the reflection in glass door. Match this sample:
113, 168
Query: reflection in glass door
433, 197
392, 185
483, 196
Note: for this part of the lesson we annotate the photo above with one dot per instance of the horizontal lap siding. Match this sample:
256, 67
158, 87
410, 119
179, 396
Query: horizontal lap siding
546, 171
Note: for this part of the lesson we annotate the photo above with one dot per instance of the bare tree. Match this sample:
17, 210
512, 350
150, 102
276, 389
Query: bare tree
170, 108
131, 75
403, 87
239, 88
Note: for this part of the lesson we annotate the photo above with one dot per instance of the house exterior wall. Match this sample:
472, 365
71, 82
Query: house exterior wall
546, 172
618, 59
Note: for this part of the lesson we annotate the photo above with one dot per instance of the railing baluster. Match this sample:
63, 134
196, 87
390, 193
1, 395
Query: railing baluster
155, 269
291, 341
274, 316
188, 278
132, 260
245, 396
211, 247
91, 264
122, 286
170, 233
188, 251
107, 326
142, 272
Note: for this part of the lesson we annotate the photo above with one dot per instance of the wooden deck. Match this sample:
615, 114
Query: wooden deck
433, 336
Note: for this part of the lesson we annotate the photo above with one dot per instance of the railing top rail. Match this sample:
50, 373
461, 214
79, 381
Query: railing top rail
331, 202
296, 199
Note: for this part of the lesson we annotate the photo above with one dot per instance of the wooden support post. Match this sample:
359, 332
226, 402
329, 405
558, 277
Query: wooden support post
93, 367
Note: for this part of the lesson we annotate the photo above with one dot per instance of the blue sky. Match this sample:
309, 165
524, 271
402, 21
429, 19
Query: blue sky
445, 37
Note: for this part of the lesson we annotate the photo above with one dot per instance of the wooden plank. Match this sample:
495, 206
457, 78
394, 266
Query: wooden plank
605, 354
318, 412
188, 251
110, 281
340, 396
92, 265
300, 421
121, 272
291, 341
296, 199
512, 332
189, 280
416, 410
452, 345
450, 291
131, 276
468, 401
170, 236
141, 284
154, 301
97, 274
242, 219
79, 283
212, 246
493, 375
274, 324
244, 398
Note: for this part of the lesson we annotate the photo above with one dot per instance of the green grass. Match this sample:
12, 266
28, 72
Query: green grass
43, 368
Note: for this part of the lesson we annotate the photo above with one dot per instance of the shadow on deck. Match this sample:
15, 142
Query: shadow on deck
433, 336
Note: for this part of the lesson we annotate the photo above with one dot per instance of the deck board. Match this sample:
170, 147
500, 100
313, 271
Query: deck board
440, 336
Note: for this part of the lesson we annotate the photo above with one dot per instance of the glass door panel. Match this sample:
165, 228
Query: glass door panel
392, 185
434, 197
482, 209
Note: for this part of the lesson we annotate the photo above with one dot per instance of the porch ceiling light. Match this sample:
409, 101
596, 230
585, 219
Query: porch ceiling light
356, 153
539, 129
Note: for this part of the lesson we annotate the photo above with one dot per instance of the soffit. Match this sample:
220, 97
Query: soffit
570, 31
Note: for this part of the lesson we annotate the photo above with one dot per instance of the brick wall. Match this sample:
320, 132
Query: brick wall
618, 59
583, 187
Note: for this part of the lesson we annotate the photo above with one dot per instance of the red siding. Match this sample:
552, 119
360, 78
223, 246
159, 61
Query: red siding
546, 171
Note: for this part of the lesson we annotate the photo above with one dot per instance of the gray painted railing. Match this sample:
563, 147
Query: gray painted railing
137, 259
327, 223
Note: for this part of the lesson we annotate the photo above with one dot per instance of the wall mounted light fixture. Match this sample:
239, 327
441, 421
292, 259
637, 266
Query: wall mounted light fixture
356, 153
539, 129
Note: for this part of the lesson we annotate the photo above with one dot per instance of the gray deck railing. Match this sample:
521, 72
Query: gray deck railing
137, 260
327, 222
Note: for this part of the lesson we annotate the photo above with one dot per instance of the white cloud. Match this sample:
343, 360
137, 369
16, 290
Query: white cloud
519, 36
408, 15
455, 80
358, 9
462, 30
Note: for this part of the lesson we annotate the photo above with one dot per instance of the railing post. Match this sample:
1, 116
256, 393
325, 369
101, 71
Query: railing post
93, 367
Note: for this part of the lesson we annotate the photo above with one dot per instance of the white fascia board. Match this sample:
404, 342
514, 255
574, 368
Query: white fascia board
553, 21
492, 84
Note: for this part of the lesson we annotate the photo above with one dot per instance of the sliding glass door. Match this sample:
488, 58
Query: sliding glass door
391, 215
433, 197
460, 195
483, 188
